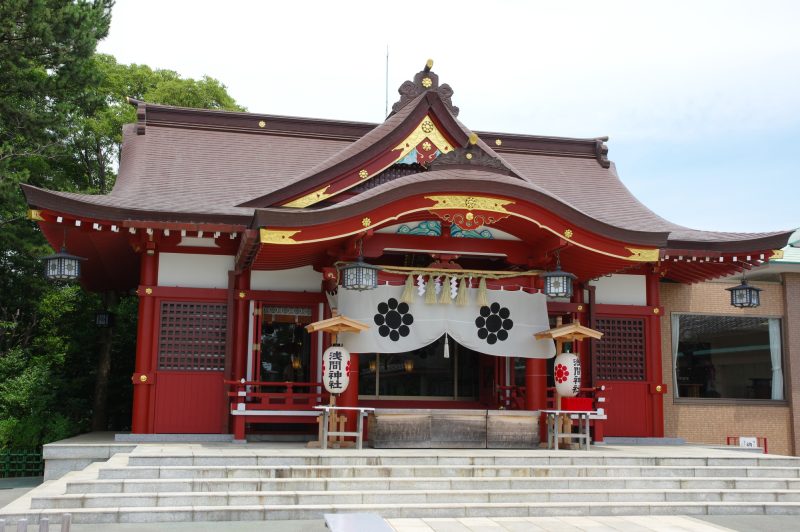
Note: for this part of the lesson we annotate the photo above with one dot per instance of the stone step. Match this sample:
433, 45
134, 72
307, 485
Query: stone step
247, 498
253, 458
420, 483
395, 471
390, 511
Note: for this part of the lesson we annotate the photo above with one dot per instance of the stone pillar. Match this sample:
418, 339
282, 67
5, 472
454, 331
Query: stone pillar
791, 353
147, 328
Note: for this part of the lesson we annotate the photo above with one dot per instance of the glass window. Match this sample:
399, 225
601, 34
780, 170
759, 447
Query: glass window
420, 373
727, 357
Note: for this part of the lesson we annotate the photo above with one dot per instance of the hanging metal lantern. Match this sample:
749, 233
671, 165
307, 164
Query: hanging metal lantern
744, 295
62, 266
103, 318
359, 275
558, 283
408, 365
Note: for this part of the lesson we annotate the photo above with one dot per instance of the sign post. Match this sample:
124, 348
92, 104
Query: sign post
570, 385
335, 370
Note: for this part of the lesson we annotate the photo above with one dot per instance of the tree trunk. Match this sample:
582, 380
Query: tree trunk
101, 168
100, 409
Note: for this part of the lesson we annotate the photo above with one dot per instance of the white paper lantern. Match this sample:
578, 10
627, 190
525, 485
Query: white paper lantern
567, 374
336, 369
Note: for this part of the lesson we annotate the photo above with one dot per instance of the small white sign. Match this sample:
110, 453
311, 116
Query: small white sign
336, 369
748, 441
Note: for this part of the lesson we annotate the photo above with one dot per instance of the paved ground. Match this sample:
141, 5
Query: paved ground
746, 523
13, 488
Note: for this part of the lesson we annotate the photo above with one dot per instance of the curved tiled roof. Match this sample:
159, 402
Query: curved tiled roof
192, 165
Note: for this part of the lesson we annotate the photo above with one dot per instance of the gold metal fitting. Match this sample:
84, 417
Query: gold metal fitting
148, 291
580, 308
498, 142
429, 63
426, 82
469, 156
363, 174
656, 310
142, 378
242, 295
568, 233
470, 216
659, 388
366, 222
261, 123
473, 138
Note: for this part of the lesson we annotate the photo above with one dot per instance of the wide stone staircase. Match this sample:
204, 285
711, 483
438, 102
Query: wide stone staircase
206, 483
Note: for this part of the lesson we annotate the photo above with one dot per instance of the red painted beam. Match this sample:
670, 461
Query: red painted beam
516, 252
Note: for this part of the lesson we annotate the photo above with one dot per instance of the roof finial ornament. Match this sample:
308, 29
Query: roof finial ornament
424, 80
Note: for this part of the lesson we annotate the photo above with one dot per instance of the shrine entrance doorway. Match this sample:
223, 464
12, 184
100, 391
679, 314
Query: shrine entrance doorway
425, 375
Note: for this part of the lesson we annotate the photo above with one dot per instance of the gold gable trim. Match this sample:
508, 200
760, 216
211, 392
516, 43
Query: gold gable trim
310, 199
644, 255
425, 129
777, 254
470, 203
35, 215
274, 236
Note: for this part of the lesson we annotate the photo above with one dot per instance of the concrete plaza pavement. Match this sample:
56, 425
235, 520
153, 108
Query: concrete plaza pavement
671, 523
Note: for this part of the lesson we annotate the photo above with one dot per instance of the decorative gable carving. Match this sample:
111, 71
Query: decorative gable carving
424, 80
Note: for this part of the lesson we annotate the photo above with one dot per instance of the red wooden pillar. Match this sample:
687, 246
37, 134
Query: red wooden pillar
535, 384
653, 353
350, 396
582, 348
536, 389
241, 325
144, 375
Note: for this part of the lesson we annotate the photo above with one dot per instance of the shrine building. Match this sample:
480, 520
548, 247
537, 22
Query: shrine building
455, 247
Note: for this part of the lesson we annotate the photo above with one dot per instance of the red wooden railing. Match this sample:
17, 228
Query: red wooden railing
511, 397
258, 395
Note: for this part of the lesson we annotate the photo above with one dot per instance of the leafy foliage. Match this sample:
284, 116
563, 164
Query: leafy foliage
62, 108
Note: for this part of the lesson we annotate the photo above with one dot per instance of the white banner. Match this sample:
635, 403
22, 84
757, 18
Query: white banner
505, 327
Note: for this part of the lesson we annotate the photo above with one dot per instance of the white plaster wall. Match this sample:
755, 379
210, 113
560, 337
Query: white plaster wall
303, 279
621, 289
193, 270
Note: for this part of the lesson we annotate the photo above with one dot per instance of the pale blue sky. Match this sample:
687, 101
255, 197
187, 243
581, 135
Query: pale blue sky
701, 99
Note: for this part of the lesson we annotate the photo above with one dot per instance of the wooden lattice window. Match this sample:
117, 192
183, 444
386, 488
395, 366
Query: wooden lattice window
192, 336
620, 354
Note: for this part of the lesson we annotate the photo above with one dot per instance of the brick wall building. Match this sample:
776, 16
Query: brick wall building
711, 419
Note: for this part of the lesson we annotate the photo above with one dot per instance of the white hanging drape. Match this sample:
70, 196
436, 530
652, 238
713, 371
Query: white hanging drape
775, 358
505, 327
676, 334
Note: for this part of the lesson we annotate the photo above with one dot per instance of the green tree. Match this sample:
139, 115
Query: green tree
46, 63
96, 136
61, 113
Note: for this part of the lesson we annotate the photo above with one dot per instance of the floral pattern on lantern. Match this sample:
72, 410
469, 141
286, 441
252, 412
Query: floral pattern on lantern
567, 374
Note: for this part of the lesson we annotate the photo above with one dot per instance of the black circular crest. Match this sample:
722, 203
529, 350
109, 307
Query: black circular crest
393, 319
493, 323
